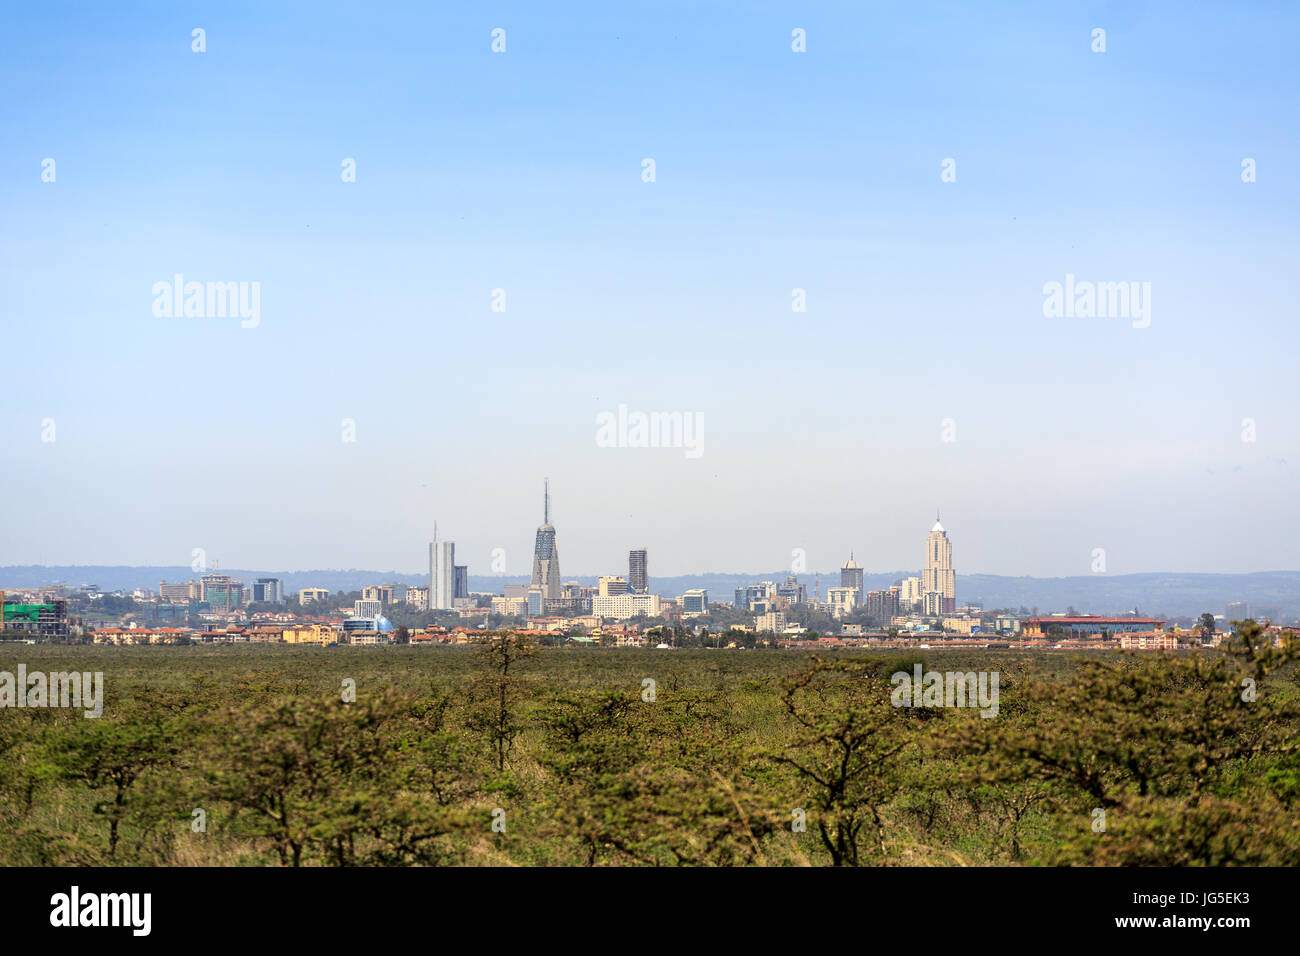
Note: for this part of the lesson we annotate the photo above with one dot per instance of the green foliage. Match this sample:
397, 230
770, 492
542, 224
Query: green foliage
847, 752
321, 781
1193, 758
1167, 746
493, 692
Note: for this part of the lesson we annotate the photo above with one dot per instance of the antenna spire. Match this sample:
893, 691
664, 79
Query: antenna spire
546, 503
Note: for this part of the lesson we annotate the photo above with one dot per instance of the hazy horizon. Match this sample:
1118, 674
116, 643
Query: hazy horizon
767, 573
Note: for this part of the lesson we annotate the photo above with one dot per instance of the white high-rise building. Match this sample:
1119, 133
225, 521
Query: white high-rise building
442, 573
939, 578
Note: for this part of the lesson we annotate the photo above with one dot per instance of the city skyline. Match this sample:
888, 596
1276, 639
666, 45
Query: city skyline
838, 278
546, 541
932, 591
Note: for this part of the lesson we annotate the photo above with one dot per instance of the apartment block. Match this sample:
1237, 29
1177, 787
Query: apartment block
621, 607
310, 595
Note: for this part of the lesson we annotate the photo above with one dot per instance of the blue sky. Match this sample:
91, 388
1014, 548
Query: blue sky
774, 170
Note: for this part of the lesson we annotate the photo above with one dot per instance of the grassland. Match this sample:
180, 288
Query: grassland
506, 754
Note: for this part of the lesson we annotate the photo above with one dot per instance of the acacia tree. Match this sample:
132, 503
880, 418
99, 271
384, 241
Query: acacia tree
495, 690
436, 751
846, 752
1167, 751
112, 756
662, 783
330, 781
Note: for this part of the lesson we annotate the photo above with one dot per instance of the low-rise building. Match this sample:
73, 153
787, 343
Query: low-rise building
1087, 626
510, 606
319, 634
623, 607
1148, 641
122, 636
961, 624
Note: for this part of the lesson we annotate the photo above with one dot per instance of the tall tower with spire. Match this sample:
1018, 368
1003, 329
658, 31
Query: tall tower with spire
938, 580
851, 574
546, 557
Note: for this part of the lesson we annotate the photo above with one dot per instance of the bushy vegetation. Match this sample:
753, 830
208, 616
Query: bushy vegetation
511, 754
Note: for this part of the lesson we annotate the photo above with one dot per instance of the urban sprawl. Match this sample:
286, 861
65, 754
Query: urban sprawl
621, 611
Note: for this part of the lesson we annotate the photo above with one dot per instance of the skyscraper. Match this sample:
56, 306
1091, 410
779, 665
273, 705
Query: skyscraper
851, 574
637, 575
882, 606
939, 578
268, 590
546, 558
442, 573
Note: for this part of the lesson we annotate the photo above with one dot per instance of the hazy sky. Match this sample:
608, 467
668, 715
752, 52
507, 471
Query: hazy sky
774, 170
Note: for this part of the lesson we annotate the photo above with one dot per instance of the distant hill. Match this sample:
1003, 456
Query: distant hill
1156, 593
